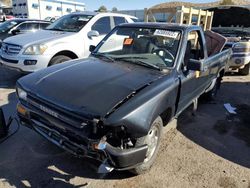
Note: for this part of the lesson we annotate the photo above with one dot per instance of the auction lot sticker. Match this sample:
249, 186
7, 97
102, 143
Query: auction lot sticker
166, 33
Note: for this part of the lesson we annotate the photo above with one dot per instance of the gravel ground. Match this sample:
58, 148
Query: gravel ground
210, 149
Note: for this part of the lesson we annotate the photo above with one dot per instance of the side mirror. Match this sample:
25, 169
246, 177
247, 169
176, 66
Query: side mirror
15, 31
92, 48
195, 65
93, 33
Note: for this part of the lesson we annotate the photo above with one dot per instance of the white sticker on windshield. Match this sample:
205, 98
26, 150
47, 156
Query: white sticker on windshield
166, 33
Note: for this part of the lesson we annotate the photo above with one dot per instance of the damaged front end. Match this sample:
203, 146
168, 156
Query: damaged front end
112, 146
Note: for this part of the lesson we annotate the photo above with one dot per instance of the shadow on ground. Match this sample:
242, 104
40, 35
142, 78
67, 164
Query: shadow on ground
8, 77
213, 128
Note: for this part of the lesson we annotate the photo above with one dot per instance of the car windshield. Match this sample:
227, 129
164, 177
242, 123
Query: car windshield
6, 26
70, 23
151, 47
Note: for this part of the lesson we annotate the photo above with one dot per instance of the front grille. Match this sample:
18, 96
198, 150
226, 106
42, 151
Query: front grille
10, 49
66, 117
241, 55
241, 50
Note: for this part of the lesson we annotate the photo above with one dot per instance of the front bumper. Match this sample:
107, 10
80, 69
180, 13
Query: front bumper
119, 159
239, 60
16, 62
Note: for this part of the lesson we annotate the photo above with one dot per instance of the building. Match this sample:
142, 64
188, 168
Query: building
40, 9
160, 17
5, 9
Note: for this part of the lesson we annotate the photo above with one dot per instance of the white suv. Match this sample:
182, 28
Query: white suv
67, 38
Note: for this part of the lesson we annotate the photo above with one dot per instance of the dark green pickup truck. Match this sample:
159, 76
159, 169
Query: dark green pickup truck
112, 106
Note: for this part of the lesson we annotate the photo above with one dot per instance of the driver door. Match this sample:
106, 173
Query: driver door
191, 80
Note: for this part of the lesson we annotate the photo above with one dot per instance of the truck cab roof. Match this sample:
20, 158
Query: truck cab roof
173, 26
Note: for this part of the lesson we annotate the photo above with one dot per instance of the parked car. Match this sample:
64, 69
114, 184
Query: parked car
20, 26
9, 17
239, 41
233, 23
112, 106
67, 38
51, 19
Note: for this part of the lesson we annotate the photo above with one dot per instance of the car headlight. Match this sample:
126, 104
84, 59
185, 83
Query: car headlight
22, 94
37, 49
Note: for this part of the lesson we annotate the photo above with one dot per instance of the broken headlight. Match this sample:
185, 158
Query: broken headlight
21, 93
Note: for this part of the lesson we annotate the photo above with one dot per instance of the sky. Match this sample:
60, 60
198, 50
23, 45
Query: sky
129, 4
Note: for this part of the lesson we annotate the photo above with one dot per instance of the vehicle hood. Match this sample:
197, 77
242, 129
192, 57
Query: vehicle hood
42, 36
90, 87
229, 16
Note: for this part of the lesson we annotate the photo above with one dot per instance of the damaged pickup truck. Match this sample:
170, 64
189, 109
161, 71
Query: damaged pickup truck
112, 106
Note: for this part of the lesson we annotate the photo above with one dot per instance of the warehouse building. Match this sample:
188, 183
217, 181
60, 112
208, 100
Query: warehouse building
40, 9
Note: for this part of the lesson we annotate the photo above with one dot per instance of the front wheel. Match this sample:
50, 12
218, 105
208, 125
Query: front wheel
152, 139
59, 59
245, 71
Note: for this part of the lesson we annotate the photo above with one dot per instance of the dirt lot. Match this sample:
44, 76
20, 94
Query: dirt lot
211, 149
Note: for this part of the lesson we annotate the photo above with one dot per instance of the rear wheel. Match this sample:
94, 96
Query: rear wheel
245, 70
59, 59
152, 139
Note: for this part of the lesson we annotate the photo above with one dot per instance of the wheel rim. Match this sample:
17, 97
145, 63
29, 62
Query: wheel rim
152, 141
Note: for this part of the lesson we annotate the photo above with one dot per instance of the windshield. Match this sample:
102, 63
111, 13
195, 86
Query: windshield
70, 23
147, 46
6, 26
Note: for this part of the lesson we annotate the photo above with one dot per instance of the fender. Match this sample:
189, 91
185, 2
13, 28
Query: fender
142, 109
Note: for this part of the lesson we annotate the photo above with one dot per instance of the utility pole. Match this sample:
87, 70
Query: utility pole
61, 9
39, 6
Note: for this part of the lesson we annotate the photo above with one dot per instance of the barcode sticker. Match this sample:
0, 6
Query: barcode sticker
166, 33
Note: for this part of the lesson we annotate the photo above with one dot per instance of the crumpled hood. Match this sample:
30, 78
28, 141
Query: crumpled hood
42, 36
89, 86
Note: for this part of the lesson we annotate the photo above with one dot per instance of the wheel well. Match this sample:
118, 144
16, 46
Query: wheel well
67, 53
222, 72
166, 116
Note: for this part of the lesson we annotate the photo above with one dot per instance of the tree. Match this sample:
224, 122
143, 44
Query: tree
102, 9
227, 2
114, 9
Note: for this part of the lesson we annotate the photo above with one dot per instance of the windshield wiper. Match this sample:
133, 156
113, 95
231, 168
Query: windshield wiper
130, 57
139, 62
100, 55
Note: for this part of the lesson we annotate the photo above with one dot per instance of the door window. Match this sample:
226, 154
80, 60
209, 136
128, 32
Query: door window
196, 45
102, 25
28, 26
32, 26
119, 20
44, 25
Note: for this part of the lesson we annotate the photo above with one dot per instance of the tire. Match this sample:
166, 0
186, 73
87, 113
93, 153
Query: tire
245, 71
59, 59
156, 129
